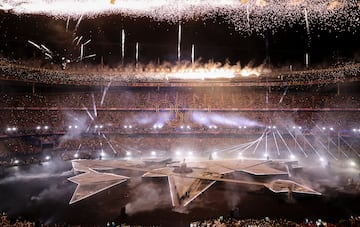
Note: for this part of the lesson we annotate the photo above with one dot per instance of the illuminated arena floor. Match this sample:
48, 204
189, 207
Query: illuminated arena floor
42, 192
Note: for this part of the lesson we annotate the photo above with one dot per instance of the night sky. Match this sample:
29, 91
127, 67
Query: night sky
214, 39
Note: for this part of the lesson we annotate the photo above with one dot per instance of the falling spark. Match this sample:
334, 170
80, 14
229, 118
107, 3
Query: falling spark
248, 15
283, 95
78, 24
307, 59
34, 44
179, 43
104, 93
81, 52
67, 24
267, 97
48, 56
78, 41
306, 21
137, 53
87, 42
89, 56
45, 48
192, 53
122, 45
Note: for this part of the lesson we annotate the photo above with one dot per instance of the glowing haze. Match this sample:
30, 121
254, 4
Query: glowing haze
245, 15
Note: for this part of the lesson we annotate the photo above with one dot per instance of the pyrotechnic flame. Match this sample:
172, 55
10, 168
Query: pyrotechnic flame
202, 73
214, 71
246, 72
334, 5
296, 2
262, 3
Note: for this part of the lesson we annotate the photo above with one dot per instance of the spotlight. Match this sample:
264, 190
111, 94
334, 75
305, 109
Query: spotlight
70, 127
128, 153
16, 161
322, 159
214, 154
102, 154
331, 129
153, 153
188, 127
323, 128
352, 163
157, 126
46, 127
47, 158
76, 155
38, 128
125, 126
292, 156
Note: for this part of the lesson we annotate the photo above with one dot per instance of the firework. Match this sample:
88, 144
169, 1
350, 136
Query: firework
339, 15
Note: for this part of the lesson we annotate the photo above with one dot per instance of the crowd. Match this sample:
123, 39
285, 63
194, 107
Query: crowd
217, 222
122, 106
90, 75
166, 144
266, 222
78, 118
42, 122
185, 98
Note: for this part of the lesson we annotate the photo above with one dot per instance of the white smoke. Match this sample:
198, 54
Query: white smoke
207, 119
148, 196
33, 176
51, 192
76, 124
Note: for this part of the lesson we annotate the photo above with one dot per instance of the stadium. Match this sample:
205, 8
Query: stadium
116, 89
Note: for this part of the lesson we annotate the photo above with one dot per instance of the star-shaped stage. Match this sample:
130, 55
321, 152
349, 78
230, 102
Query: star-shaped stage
187, 180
